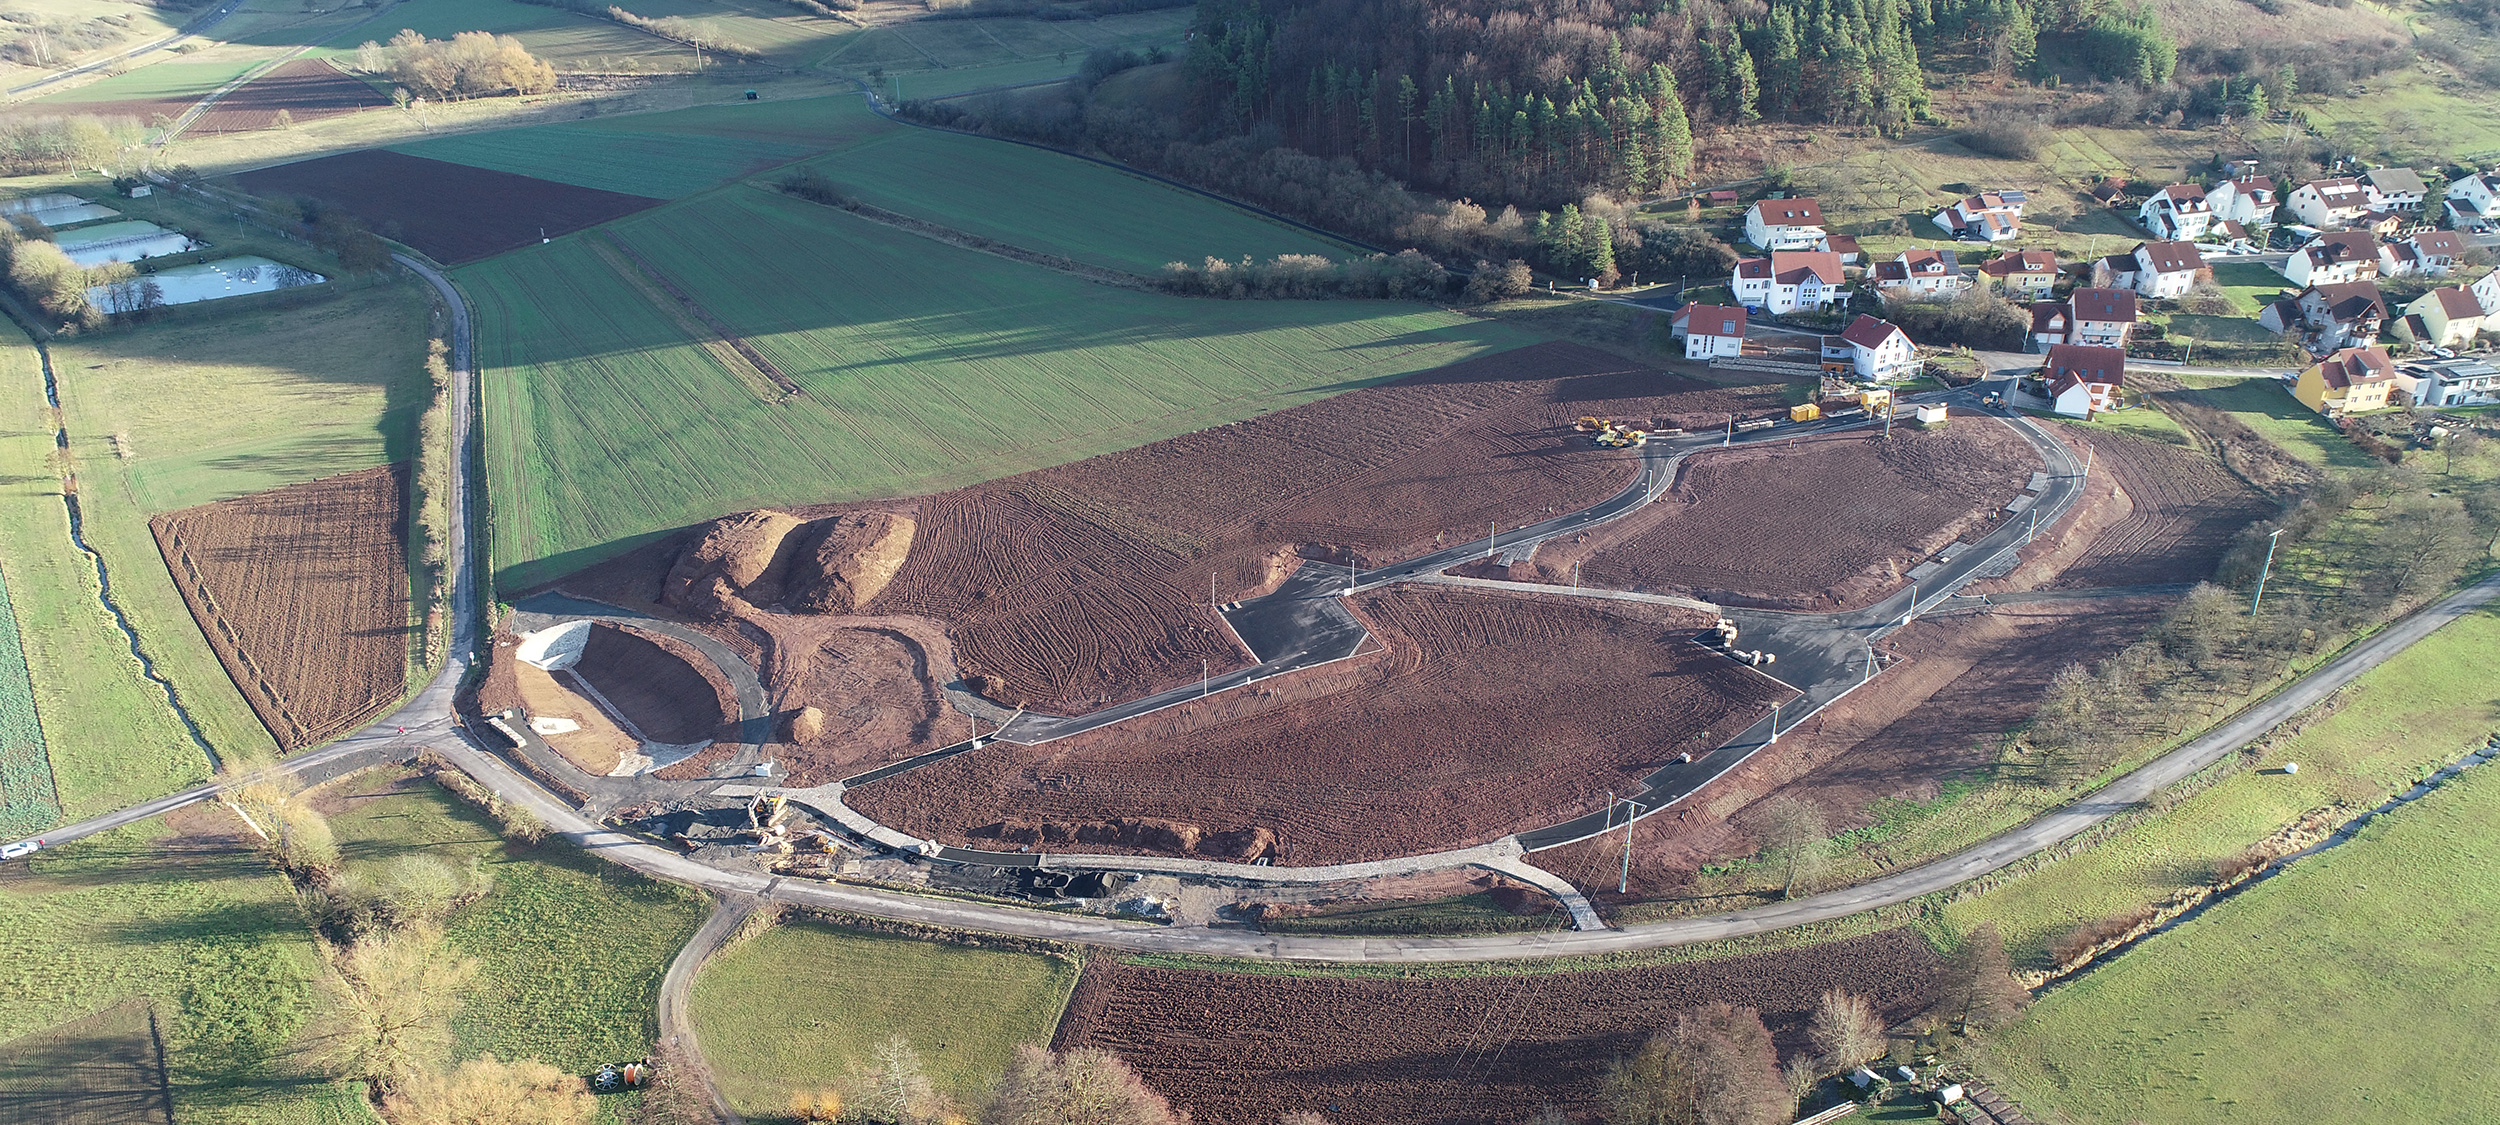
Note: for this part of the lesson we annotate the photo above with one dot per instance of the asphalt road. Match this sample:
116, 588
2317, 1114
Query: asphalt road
189, 30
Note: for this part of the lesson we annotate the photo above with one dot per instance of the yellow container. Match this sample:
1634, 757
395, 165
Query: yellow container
1806, 412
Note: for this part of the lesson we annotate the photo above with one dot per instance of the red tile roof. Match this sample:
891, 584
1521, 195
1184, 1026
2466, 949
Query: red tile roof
2352, 302
2113, 305
2070, 364
1792, 267
2187, 197
2173, 257
1790, 212
1868, 332
2357, 365
2458, 302
2438, 243
1712, 320
2022, 261
2048, 316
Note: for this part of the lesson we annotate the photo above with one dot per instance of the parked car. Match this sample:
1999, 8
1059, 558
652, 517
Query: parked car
20, 849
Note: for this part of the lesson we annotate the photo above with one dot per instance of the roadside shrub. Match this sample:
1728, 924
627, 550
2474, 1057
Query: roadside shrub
813, 187
1492, 282
1404, 275
470, 64
2082, 940
2004, 133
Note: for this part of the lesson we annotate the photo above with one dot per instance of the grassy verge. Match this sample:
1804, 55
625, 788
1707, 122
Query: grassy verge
1463, 914
165, 416
190, 919
111, 739
2396, 723
925, 367
802, 1007
572, 947
2270, 409
2354, 986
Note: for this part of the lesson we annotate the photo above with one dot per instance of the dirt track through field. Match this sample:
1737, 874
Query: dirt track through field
302, 592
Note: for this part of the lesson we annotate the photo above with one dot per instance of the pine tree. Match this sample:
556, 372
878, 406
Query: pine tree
1786, 70
1406, 118
1599, 247
2256, 106
1746, 89
2286, 84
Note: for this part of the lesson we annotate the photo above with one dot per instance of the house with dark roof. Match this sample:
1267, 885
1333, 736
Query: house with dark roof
2246, 198
1990, 216
1784, 224
1844, 246
2083, 380
2474, 201
2333, 258
2159, 270
2399, 190
2024, 275
2330, 316
1788, 280
2101, 318
2447, 317
1879, 349
2431, 252
1709, 331
2455, 382
2330, 204
1920, 274
2350, 381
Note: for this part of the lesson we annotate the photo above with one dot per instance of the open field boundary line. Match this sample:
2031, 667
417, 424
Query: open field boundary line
966, 240
723, 352
691, 307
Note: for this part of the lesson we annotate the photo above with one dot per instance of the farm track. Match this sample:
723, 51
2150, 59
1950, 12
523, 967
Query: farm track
694, 308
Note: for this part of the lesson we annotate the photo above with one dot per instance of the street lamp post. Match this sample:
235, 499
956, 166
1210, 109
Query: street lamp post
2263, 572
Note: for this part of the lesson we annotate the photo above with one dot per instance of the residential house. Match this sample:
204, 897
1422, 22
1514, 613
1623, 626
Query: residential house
1788, 280
2091, 317
2180, 212
2333, 258
2474, 201
1878, 349
2234, 236
2456, 382
2432, 252
1992, 216
2334, 316
2398, 190
1844, 246
2446, 317
2350, 381
2329, 204
1784, 224
2246, 198
2487, 292
1921, 274
2084, 380
2024, 275
2157, 270
2382, 224
1709, 330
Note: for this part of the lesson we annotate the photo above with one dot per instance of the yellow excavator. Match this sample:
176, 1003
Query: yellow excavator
1614, 437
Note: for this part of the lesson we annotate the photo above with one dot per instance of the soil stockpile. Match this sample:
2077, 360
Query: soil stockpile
1246, 1049
305, 90
1821, 522
1951, 688
851, 560
744, 556
452, 212
660, 684
1485, 714
302, 592
873, 683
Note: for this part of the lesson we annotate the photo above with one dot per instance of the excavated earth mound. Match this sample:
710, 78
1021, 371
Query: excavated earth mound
746, 555
848, 561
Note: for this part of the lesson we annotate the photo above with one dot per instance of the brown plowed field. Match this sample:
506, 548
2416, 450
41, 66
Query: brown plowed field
307, 89
1961, 681
1087, 584
303, 593
1821, 522
1245, 1049
452, 212
2184, 510
659, 683
1485, 714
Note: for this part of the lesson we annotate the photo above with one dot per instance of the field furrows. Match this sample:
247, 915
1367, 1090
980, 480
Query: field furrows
305, 90
29, 802
1483, 715
2186, 509
302, 592
733, 357
1246, 1049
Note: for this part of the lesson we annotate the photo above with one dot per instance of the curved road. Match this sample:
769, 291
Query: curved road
427, 721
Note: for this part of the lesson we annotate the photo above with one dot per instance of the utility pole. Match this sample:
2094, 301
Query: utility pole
1870, 664
1623, 883
2263, 572
1775, 726
1206, 679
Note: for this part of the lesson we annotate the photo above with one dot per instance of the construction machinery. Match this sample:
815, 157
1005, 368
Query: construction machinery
1590, 423
1618, 437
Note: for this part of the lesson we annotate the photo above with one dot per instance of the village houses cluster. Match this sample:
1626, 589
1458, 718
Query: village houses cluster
2339, 237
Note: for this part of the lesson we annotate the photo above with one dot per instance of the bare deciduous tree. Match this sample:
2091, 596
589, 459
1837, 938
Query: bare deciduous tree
1087, 1087
1798, 838
898, 1090
400, 991
1715, 1066
1975, 987
487, 1091
1846, 1030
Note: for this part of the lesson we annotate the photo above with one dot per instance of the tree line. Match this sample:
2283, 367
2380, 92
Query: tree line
471, 64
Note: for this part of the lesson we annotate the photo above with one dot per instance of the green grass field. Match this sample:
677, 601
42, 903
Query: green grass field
1057, 204
2270, 409
2422, 708
28, 803
192, 80
187, 411
2356, 986
1464, 914
199, 925
666, 155
802, 1007
111, 737
926, 367
572, 948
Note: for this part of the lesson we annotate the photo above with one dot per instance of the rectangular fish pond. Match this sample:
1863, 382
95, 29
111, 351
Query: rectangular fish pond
206, 281
56, 209
126, 241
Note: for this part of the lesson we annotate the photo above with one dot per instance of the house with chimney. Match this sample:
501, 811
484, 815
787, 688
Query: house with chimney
2446, 317
2474, 201
2083, 380
1990, 216
1709, 331
1920, 274
2430, 252
1788, 281
2329, 316
2179, 212
2246, 198
2351, 381
2091, 317
1784, 224
2330, 204
2158, 270
2023, 275
2333, 258
2395, 190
